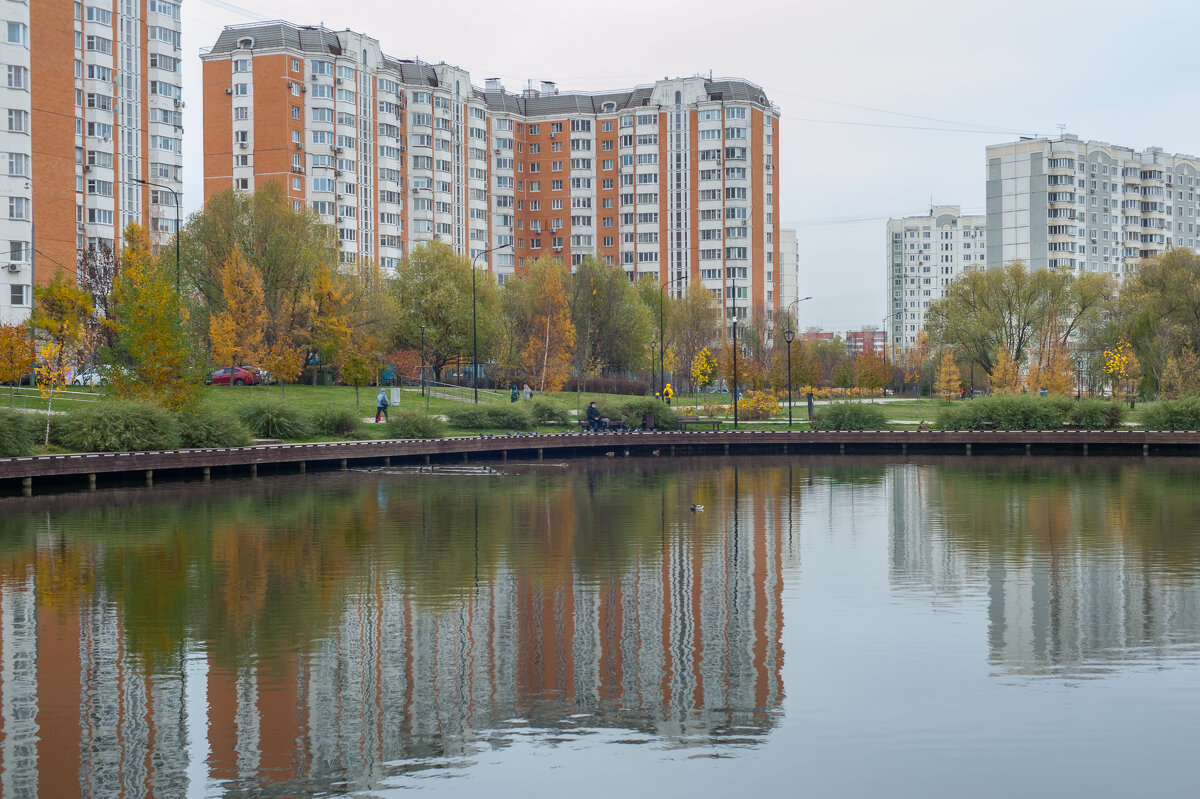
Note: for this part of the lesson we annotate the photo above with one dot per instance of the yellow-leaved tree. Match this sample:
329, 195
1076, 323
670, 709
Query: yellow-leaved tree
16, 355
1181, 375
153, 357
60, 314
1006, 378
546, 335
1123, 370
949, 380
237, 330
704, 367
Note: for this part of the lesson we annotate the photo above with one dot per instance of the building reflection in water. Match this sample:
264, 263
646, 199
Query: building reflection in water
304, 635
1084, 567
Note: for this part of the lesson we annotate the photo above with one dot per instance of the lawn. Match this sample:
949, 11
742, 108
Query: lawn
902, 414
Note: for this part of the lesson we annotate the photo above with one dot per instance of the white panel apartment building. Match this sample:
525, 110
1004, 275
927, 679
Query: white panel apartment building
16, 150
674, 179
1082, 206
924, 254
92, 99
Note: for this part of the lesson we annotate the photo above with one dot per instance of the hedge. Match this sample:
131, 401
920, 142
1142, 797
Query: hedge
415, 425
1183, 414
118, 426
274, 420
17, 432
849, 416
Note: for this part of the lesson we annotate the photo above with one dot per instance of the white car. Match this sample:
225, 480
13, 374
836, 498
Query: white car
89, 377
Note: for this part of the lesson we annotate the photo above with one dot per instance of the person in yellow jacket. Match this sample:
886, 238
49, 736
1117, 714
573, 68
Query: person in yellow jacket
668, 393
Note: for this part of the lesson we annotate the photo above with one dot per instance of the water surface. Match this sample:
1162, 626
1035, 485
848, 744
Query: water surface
831, 626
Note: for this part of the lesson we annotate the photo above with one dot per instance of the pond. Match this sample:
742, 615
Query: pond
829, 626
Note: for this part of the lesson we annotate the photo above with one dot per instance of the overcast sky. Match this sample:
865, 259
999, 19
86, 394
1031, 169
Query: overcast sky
885, 106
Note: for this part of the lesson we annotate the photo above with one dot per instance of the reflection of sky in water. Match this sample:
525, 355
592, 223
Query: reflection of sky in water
576, 631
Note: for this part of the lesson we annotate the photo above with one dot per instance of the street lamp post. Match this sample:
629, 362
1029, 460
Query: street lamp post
735, 374
1078, 379
788, 335
662, 341
474, 325
175, 195
423, 392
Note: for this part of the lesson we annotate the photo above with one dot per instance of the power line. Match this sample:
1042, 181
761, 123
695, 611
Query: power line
992, 128
906, 127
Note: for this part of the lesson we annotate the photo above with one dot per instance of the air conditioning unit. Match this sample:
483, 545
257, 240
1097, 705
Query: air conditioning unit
299, 146
341, 219
179, 103
338, 150
243, 145
497, 151
303, 89
229, 91
403, 148
15, 266
337, 81
87, 167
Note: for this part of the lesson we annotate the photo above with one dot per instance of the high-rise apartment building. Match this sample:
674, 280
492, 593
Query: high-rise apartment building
924, 253
789, 269
1067, 204
93, 103
674, 180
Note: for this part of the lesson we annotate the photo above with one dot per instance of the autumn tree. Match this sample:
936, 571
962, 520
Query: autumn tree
358, 364
60, 316
1123, 371
152, 354
433, 288
871, 370
1181, 375
16, 355
286, 247
611, 322
538, 324
1006, 375
704, 367
237, 331
97, 267
949, 380
1011, 306
694, 321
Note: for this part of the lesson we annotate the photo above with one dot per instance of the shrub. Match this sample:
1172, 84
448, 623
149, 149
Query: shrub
633, 409
849, 416
1000, 412
119, 426
712, 410
415, 425
1181, 414
334, 421
1096, 414
274, 420
492, 417
612, 385
757, 405
17, 432
206, 427
546, 412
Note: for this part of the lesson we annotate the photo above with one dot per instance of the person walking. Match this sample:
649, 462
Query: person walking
667, 393
381, 405
527, 392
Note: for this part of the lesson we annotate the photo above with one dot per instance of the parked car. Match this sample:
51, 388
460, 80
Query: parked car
241, 377
90, 377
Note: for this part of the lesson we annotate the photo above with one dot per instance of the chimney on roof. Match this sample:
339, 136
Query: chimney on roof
548, 87
492, 85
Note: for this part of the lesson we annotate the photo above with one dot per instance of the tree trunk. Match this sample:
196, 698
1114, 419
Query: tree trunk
545, 356
356, 407
49, 403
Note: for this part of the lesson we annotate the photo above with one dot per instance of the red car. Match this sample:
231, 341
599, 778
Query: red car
241, 377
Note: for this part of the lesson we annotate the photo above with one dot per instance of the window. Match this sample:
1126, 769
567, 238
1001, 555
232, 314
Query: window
18, 121
18, 77
19, 34
18, 208
18, 292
